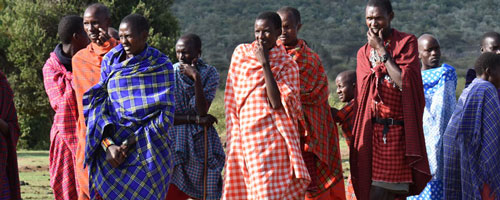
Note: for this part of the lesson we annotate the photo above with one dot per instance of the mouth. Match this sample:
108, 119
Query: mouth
434, 60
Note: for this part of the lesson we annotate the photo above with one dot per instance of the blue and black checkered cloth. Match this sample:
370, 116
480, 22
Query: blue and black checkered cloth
135, 97
472, 143
188, 139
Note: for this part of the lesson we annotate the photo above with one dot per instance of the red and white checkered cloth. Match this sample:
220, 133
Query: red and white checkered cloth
263, 159
58, 85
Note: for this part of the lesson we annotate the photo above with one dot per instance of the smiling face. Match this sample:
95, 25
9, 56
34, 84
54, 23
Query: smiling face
132, 40
429, 52
345, 88
377, 18
266, 33
289, 28
92, 21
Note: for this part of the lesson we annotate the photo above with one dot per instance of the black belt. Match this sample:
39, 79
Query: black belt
387, 122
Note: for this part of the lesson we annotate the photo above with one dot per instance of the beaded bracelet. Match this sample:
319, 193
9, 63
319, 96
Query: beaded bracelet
106, 142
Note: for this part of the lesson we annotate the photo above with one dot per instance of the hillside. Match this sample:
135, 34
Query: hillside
336, 29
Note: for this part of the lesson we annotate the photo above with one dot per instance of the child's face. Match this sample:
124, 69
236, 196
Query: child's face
494, 76
345, 91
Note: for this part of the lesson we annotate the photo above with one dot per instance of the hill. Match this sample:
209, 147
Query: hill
336, 29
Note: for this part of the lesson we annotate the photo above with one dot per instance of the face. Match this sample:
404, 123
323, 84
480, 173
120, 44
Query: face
289, 29
82, 40
490, 45
345, 91
494, 76
133, 42
377, 18
186, 52
429, 53
92, 21
266, 33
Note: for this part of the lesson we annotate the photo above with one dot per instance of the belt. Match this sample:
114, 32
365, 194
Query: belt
387, 122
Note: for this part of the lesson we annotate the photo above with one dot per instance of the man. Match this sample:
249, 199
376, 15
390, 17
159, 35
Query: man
86, 71
9, 134
471, 141
58, 82
128, 113
195, 87
440, 83
346, 90
262, 107
319, 137
490, 42
388, 158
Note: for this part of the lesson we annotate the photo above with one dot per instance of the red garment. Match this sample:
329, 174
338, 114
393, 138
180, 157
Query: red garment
9, 175
263, 159
58, 84
403, 48
86, 73
175, 193
320, 134
345, 117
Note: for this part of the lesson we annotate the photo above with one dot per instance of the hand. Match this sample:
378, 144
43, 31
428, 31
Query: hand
115, 155
103, 36
4, 127
262, 54
207, 120
190, 70
376, 41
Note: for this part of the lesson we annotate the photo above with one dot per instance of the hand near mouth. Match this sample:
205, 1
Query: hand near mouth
103, 37
375, 40
261, 53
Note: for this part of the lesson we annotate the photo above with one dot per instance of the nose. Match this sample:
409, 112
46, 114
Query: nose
338, 90
259, 35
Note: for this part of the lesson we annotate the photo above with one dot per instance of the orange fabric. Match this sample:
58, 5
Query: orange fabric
263, 159
320, 134
487, 193
336, 192
86, 73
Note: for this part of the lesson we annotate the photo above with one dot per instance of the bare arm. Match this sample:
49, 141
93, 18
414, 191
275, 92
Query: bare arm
272, 91
377, 43
202, 104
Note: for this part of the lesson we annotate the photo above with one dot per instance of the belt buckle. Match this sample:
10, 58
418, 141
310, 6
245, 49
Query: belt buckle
391, 121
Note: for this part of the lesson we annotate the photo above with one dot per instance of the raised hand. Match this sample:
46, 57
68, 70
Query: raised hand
190, 70
103, 36
262, 54
375, 40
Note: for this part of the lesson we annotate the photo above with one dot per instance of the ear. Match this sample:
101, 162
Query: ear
391, 16
199, 54
482, 49
298, 27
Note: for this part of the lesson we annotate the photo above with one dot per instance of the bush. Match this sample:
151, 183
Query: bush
28, 33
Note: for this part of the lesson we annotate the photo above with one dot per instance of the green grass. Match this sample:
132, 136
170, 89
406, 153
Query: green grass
33, 171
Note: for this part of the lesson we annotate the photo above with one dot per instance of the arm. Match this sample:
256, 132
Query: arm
272, 91
377, 43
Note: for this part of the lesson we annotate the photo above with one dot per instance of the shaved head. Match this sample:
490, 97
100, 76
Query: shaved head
348, 76
490, 42
346, 85
98, 9
429, 51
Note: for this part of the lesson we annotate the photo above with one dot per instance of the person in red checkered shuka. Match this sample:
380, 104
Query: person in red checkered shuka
388, 159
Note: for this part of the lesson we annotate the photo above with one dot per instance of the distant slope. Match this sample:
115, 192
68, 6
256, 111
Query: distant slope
336, 29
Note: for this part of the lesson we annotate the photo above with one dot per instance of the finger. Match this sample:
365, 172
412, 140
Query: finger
194, 62
380, 33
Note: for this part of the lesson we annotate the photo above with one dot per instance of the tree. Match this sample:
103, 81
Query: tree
28, 33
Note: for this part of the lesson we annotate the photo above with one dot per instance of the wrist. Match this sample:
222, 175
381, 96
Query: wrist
197, 119
106, 143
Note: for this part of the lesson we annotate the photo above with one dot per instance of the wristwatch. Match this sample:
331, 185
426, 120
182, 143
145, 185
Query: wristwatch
384, 58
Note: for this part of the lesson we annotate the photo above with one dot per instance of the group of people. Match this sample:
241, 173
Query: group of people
129, 124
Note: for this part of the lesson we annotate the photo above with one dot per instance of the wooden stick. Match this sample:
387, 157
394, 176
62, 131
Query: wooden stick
205, 167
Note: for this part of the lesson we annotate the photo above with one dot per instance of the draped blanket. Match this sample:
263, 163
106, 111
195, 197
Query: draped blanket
263, 160
9, 175
320, 134
135, 98
403, 49
58, 84
471, 143
439, 87
188, 148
